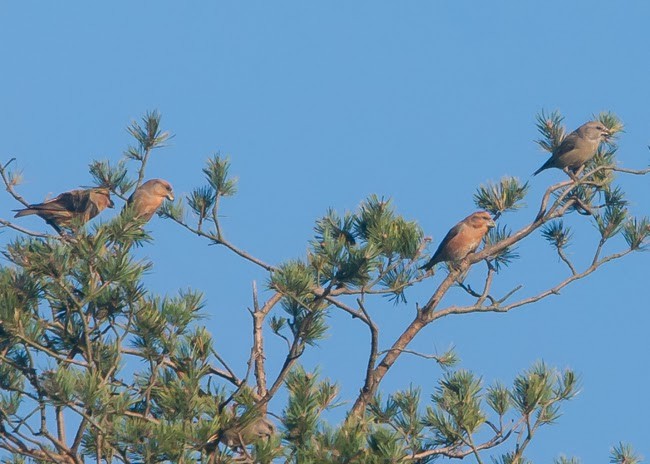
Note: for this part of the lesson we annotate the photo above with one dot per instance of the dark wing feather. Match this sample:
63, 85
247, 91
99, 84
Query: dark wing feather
438, 255
568, 144
60, 209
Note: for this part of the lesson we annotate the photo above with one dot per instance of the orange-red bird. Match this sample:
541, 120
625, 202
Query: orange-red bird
147, 198
81, 205
463, 239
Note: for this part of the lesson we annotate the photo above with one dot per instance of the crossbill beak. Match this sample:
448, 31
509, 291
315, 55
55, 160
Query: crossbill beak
491, 224
110, 203
170, 196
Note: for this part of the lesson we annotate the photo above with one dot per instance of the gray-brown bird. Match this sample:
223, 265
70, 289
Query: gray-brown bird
577, 148
147, 198
239, 437
464, 238
76, 205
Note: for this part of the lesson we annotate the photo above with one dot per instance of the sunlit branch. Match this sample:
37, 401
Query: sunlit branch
427, 313
374, 340
259, 316
221, 241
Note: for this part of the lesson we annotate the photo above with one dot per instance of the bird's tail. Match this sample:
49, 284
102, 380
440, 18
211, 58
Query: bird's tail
544, 166
428, 266
24, 212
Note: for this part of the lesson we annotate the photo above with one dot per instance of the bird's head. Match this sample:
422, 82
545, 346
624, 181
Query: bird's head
595, 130
105, 195
161, 188
481, 219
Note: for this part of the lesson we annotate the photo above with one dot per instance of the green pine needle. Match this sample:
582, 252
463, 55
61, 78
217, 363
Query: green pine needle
510, 458
614, 197
611, 221
505, 256
605, 157
458, 404
173, 210
397, 280
148, 135
498, 397
277, 324
551, 129
507, 195
611, 122
216, 173
111, 177
201, 200
623, 453
636, 232
557, 234
332, 227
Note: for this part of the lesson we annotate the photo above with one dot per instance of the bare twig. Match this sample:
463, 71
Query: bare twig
564, 258
11, 225
351, 311
374, 339
435, 357
219, 240
452, 451
9, 186
258, 341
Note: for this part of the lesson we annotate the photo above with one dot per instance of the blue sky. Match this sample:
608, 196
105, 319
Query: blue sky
320, 104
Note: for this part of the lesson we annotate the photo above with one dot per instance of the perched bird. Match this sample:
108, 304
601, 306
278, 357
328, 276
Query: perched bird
577, 148
239, 437
81, 205
147, 198
463, 239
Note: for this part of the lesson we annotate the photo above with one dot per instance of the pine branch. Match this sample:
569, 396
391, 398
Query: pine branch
221, 241
11, 180
427, 314
259, 315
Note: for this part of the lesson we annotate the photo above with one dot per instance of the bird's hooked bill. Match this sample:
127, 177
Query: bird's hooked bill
170, 196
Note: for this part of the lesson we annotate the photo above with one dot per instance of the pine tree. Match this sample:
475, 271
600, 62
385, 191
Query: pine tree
94, 367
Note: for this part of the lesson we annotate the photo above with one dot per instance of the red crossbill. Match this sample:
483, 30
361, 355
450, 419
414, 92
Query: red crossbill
81, 205
147, 198
464, 238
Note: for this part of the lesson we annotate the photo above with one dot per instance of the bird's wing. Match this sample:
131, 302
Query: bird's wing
143, 203
73, 202
131, 199
91, 210
568, 144
442, 248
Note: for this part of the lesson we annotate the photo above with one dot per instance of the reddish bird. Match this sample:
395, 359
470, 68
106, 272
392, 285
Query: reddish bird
577, 148
463, 239
76, 205
147, 198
